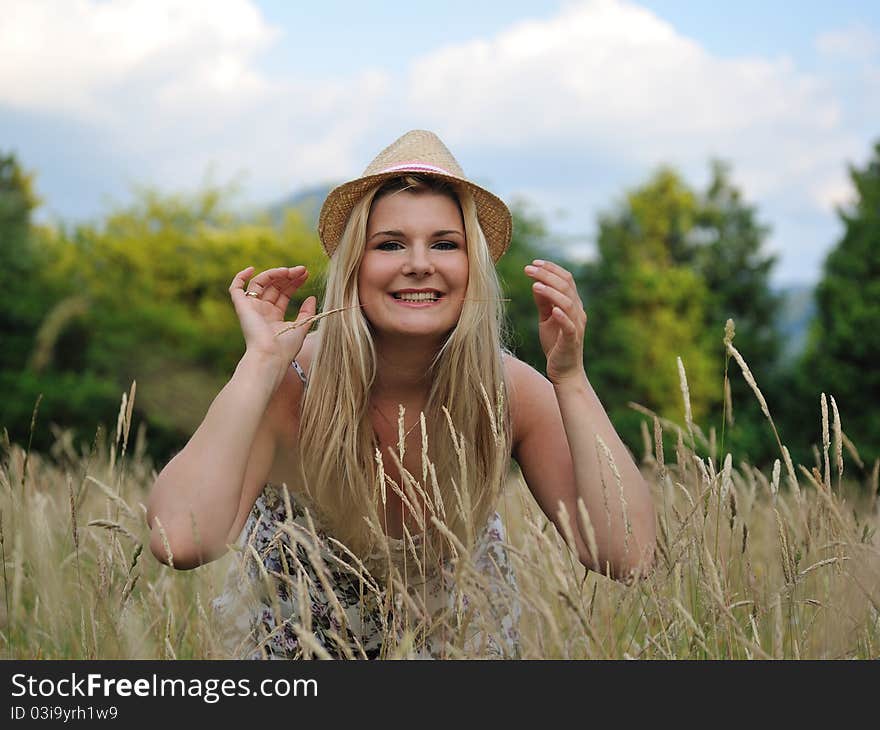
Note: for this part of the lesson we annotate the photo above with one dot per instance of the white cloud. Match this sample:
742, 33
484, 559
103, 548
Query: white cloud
573, 106
175, 88
608, 75
72, 57
855, 42
609, 80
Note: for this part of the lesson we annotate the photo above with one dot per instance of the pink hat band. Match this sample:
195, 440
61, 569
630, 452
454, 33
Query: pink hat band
415, 167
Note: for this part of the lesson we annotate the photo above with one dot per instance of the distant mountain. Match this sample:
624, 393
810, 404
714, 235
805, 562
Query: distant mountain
796, 312
307, 200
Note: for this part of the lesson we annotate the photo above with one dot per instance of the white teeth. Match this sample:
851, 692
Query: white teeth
417, 297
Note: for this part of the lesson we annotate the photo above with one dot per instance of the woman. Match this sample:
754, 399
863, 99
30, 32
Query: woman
370, 455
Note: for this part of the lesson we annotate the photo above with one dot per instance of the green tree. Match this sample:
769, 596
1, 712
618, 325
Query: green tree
143, 295
736, 270
25, 299
844, 344
647, 305
20, 301
673, 265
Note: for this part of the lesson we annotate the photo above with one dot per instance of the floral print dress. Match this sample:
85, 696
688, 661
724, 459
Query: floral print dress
306, 596
297, 593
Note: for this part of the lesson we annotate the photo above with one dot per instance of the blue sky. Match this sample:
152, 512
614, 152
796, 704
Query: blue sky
565, 104
765, 27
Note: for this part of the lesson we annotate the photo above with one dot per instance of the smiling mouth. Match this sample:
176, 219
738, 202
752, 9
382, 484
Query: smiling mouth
417, 297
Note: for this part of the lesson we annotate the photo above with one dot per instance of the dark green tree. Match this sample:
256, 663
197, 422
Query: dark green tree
647, 305
673, 265
843, 350
141, 295
20, 301
731, 260
736, 269
27, 296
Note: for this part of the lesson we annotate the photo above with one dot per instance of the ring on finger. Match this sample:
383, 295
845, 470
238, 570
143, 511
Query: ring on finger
251, 294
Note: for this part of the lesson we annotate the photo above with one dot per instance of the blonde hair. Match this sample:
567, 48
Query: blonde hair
466, 415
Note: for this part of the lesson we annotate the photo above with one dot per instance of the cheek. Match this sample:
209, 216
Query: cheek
464, 272
374, 273
366, 278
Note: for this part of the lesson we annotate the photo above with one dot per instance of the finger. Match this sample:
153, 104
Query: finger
297, 276
276, 286
305, 315
558, 270
239, 279
553, 275
271, 283
544, 305
265, 276
567, 326
550, 297
262, 281
271, 292
308, 308
566, 333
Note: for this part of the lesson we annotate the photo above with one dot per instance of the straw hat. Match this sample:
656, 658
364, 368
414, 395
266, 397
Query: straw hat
421, 152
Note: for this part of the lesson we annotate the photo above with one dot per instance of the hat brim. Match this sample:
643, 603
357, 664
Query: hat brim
493, 214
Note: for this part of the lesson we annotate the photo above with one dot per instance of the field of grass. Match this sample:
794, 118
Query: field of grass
781, 565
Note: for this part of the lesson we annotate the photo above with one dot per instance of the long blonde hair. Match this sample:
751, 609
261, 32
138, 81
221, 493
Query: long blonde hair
466, 416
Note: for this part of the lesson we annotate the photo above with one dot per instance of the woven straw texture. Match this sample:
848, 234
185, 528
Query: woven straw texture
416, 151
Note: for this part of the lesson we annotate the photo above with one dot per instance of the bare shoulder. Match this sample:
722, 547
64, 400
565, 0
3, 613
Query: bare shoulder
527, 391
285, 403
523, 381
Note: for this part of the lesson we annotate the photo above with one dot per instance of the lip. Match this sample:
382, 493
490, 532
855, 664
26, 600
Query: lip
418, 305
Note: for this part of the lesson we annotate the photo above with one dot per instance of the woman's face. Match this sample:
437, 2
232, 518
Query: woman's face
414, 270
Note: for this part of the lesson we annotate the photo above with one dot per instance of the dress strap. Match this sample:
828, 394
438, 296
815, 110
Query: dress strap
299, 371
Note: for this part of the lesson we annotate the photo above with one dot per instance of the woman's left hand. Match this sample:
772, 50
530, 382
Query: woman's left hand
561, 320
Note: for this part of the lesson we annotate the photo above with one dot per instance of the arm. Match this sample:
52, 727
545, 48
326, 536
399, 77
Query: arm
199, 496
559, 422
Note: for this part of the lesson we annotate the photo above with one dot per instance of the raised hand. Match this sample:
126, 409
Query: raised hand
261, 304
561, 320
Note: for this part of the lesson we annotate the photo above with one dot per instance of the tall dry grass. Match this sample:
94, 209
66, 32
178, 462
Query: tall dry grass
783, 564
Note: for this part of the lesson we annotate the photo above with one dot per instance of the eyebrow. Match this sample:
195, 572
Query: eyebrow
402, 234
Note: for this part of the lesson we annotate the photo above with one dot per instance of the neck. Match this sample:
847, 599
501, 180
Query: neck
402, 372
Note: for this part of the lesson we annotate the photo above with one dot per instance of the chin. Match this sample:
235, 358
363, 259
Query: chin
428, 334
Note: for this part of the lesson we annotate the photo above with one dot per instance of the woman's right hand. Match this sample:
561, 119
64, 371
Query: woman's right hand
262, 316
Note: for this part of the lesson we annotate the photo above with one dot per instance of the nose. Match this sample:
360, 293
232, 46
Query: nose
418, 263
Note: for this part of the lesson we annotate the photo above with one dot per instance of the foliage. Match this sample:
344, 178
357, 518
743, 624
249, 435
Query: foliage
844, 343
19, 264
144, 296
673, 265
736, 270
737, 275
647, 306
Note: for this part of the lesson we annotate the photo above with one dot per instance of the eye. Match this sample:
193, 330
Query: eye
389, 246
446, 245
